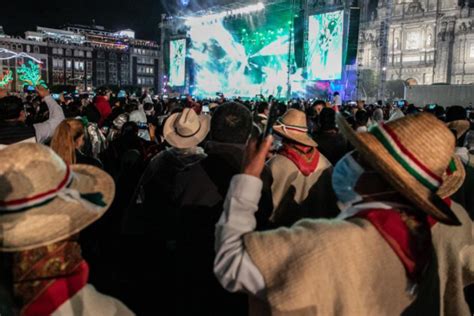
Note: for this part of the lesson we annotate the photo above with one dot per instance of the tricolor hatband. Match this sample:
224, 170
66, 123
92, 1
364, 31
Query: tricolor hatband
406, 158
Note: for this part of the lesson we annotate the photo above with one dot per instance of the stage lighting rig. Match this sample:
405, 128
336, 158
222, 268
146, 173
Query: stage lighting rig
210, 17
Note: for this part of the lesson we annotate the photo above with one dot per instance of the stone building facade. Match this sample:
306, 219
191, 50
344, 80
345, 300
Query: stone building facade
429, 41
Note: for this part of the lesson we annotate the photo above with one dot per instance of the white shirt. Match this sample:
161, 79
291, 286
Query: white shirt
361, 129
232, 266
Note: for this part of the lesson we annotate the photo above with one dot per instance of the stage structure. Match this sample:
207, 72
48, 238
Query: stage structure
284, 48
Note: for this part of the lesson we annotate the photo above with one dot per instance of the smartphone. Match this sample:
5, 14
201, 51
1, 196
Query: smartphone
431, 106
205, 109
55, 96
271, 120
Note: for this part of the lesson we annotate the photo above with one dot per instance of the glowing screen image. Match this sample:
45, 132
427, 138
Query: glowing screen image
177, 63
244, 56
325, 46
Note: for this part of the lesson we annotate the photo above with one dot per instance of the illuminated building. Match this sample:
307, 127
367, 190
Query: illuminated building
111, 54
428, 41
86, 56
69, 57
144, 57
22, 47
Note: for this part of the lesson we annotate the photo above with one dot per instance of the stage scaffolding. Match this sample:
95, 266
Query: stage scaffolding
173, 27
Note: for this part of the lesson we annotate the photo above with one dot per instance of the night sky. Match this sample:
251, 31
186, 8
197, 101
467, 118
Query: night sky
142, 16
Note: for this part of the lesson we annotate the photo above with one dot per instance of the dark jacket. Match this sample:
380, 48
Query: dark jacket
332, 145
183, 199
201, 294
86, 160
14, 132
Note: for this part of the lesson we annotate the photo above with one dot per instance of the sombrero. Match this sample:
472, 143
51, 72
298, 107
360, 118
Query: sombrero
186, 129
460, 126
42, 200
415, 155
292, 125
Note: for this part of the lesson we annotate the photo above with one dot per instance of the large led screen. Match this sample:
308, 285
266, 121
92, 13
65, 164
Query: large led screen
244, 56
325, 46
177, 63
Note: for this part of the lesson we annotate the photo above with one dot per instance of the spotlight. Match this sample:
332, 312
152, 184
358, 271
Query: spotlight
193, 20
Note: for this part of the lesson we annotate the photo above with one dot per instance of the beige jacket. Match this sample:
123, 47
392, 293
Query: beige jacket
296, 196
89, 302
321, 267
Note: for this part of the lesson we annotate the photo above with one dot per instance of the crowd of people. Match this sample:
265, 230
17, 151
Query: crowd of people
123, 205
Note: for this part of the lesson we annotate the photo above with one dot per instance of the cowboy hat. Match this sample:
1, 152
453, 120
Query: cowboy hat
413, 154
42, 200
460, 126
186, 129
292, 125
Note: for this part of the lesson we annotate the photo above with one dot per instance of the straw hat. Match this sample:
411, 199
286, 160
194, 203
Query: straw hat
460, 126
186, 129
43, 201
413, 153
292, 125
213, 105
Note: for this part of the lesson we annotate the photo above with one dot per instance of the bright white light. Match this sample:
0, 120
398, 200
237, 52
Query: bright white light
194, 20
13, 55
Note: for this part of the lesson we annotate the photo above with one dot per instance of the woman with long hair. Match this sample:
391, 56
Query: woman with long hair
67, 141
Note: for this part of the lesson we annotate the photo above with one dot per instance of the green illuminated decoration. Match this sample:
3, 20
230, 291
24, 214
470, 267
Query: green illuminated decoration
6, 78
31, 76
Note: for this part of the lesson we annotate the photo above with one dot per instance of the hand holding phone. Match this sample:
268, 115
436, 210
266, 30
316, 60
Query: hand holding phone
271, 120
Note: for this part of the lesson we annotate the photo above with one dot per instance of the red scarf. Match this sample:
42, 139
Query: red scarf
57, 292
46, 277
306, 158
407, 234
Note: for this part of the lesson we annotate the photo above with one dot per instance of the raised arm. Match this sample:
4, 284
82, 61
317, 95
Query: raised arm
45, 130
232, 266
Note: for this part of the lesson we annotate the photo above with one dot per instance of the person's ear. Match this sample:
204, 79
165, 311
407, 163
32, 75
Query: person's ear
22, 116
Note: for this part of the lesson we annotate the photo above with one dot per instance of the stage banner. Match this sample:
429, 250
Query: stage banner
325, 46
177, 63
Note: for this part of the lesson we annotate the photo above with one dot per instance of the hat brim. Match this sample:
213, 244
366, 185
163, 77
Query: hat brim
407, 185
452, 182
299, 137
58, 219
178, 141
460, 126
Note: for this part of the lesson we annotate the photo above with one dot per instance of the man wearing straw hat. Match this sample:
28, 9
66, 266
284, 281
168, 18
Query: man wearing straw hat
171, 184
44, 204
398, 247
301, 174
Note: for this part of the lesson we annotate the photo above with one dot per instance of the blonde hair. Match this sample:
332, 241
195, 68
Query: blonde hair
64, 139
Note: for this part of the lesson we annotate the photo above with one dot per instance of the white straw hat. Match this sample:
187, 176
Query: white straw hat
292, 125
186, 129
43, 201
